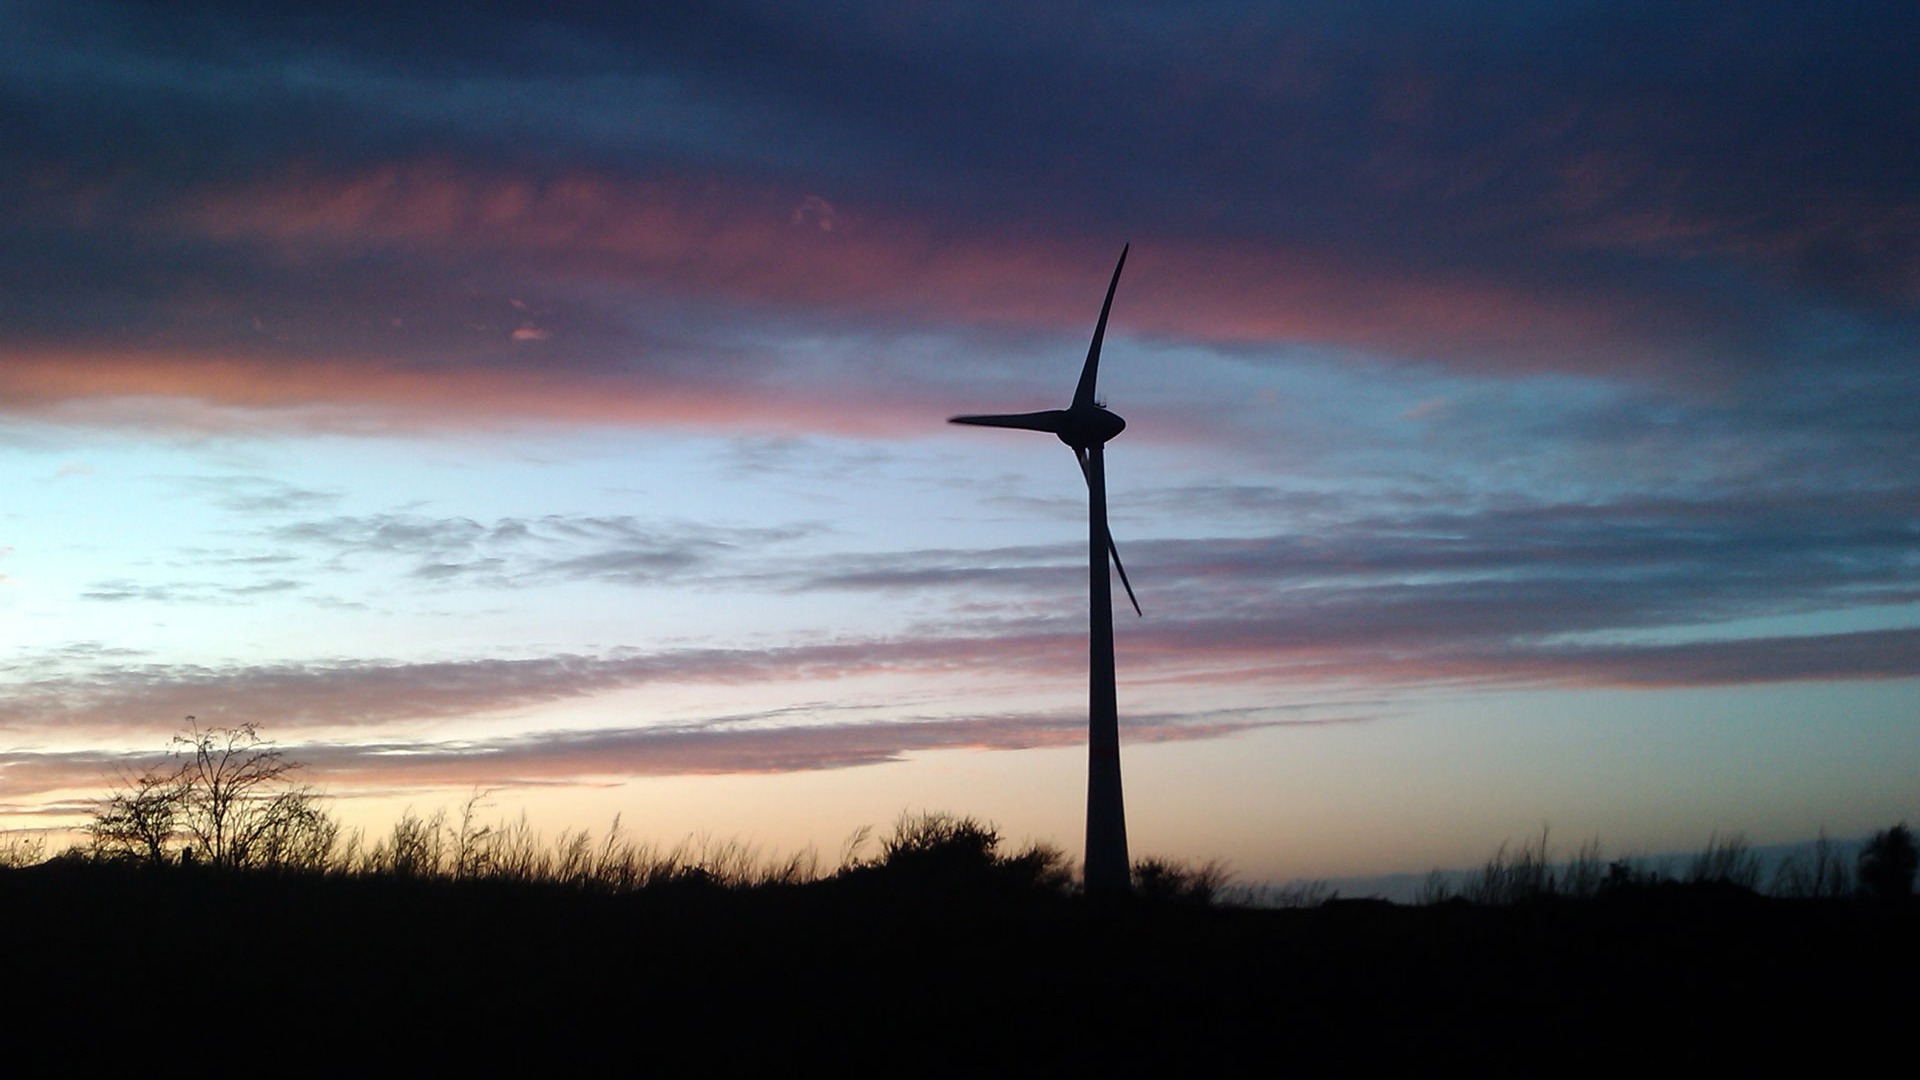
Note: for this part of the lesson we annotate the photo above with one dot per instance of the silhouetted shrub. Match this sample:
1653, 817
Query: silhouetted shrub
412, 849
1040, 867
1514, 874
1820, 874
939, 851
296, 834
19, 851
1297, 895
1438, 887
1625, 875
1165, 881
1888, 862
942, 840
943, 858
1585, 873
1727, 860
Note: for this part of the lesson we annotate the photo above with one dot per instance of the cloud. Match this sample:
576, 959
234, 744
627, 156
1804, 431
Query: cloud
814, 212
116, 590
1500, 595
740, 745
1027, 568
247, 494
373, 692
703, 749
284, 700
1613, 190
1507, 643
1629, 562
1873, 654
526, 551
504, 553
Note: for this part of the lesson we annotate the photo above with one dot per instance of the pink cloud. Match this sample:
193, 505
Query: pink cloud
707, 237
587, 756
366, 693
371, 694
709, 242
198, 392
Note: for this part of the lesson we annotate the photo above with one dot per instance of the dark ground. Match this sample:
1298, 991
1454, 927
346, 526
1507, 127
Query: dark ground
290, 973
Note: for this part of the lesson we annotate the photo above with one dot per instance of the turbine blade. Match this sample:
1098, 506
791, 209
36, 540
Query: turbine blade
1048, 420
1090, 373
1113, 549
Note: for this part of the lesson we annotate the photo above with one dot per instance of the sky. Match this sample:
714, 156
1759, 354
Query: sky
545, 404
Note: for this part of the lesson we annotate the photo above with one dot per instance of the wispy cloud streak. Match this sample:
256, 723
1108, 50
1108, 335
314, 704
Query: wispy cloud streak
605, 755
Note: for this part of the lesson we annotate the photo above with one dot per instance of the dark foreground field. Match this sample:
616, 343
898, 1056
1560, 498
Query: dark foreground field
866, 974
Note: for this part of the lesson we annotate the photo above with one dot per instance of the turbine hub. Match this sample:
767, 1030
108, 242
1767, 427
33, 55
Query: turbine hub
1086, 427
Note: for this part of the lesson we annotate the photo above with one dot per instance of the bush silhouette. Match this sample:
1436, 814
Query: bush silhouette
945, 857
941, 845
1165, 881
1888, 862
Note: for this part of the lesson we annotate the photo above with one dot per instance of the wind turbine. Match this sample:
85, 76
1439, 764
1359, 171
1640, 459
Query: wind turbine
1086, 425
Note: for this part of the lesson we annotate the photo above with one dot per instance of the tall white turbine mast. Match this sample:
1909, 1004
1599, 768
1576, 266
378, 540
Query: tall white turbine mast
1086, 425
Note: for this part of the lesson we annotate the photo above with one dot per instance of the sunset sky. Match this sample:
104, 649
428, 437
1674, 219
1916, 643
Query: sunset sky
1523, 405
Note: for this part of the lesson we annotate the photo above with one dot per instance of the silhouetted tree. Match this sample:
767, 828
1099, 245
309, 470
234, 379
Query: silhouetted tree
236, 793
141, 819
1888, 862
228, 800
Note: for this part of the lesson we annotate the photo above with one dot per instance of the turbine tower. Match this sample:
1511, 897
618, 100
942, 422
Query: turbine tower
1086, 425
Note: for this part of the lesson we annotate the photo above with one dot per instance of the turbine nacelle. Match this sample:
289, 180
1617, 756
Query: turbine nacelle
1084, 428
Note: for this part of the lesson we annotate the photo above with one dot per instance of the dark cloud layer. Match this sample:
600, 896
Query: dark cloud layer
1642, 187
1490, 588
